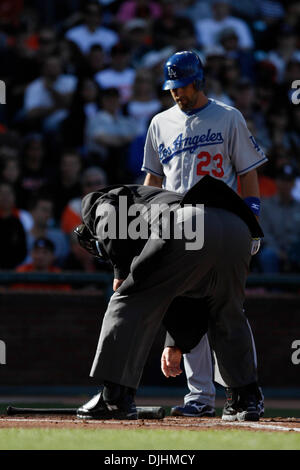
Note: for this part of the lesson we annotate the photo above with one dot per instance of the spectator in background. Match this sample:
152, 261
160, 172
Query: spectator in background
184, 38
144, 102
13, 240
94, 63
9, 201
137, 34
84, 106
91, 31
209, 29
280, 221
42, 214
229, 40
195, 9
250, 9
138, 9
119, 75
287, 50
19, 67
265, 88
33, 172
292, 14
72, 59
47, 44
214, 64
92, 179
10, 144
266, 26
53, 12
66, 183
278, 121
230, 76
166, 28
213, 58
47, 99
42, 255
108, 135
143, 105
10, 173
245, 102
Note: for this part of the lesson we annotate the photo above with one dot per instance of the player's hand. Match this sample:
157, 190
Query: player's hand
255, 246
117, 283
170, 362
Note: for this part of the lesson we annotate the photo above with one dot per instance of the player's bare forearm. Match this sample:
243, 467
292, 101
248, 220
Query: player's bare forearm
153, 180
249, 184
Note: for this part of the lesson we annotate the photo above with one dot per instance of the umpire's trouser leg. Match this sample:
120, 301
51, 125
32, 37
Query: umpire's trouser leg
229, 333
129, 327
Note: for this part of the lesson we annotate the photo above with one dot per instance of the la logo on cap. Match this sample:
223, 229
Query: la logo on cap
172, 72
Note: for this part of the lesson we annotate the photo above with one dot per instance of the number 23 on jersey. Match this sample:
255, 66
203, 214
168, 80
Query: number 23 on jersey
205, 160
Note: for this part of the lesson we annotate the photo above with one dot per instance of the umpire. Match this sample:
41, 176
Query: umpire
150, 274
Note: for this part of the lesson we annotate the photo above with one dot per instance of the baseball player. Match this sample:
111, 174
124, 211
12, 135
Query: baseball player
200, 136
151, 272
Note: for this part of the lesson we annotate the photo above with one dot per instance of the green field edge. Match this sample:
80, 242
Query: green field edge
109, 439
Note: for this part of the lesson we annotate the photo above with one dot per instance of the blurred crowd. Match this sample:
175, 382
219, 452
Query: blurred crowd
83, 80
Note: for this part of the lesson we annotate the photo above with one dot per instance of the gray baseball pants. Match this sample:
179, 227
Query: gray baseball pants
217, 271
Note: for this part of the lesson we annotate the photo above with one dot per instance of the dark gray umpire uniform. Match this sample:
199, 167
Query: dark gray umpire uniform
157, 271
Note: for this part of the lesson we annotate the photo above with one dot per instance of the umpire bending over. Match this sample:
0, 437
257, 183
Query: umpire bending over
152, 274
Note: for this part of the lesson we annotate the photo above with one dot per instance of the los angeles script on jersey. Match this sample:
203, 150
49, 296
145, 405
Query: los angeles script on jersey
184, 144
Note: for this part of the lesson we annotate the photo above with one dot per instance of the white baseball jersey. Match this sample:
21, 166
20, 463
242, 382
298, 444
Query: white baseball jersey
214, 140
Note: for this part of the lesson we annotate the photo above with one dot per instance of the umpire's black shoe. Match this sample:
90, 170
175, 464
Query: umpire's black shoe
249, 398
230, 409
249, 410
243, 404
114, 402
261, 402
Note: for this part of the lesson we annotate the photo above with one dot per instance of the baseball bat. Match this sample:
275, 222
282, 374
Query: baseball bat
144, 412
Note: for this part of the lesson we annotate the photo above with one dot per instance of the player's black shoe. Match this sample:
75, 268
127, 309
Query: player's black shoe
114, 402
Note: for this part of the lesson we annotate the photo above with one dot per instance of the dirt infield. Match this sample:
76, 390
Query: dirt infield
194, 424
289, 424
